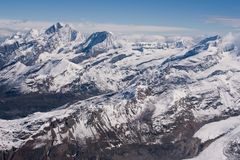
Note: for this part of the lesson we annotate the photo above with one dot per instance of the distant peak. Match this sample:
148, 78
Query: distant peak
59, 25
54, 28
100, 35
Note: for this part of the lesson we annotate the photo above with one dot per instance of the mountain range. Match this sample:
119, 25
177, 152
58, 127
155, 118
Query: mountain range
70, 95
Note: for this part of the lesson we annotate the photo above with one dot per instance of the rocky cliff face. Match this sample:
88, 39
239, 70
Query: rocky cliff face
103, 97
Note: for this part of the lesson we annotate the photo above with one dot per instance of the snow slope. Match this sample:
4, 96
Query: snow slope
226, 145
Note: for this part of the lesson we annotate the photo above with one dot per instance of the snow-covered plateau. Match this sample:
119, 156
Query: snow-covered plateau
70, 95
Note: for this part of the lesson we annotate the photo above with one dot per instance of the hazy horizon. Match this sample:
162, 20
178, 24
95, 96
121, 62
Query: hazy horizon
145, 17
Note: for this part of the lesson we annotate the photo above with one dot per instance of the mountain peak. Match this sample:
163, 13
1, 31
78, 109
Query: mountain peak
96, 39
54, 28
101, 36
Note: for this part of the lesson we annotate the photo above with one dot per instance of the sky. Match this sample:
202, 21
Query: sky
142, 16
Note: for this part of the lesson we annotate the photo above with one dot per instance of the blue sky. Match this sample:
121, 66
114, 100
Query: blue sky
200, 15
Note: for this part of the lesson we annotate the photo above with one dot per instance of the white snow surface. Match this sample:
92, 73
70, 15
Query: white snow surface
228, 130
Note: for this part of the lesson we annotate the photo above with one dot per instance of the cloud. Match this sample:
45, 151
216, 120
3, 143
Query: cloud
7, 26
22, 24
228, 21
130, 28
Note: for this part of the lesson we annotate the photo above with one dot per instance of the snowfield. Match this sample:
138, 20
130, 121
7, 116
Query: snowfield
226, 133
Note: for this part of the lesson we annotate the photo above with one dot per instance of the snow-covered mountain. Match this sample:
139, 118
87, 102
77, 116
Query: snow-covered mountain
118, 98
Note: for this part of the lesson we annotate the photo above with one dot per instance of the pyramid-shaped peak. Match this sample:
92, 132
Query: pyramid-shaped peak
99, 37
54, 28
59, 25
